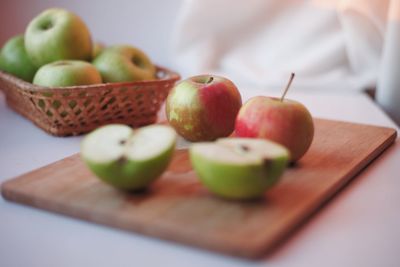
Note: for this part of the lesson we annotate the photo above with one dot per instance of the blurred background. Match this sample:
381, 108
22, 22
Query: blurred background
344, 46
147, 24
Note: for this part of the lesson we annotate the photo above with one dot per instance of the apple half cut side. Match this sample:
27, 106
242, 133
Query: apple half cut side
129, 159
239, 168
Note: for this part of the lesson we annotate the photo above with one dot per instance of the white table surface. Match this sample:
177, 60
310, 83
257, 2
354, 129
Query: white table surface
359, 227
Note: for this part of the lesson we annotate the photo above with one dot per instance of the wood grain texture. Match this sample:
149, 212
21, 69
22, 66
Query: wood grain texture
178, 208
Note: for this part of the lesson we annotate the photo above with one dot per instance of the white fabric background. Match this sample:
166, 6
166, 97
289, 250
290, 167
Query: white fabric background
330, 44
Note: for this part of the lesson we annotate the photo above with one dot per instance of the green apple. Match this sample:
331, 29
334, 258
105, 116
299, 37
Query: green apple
204, 107
124, 63
14, 59
97, 49
67, 73
57, 34
239, 168
129, 159
284, 121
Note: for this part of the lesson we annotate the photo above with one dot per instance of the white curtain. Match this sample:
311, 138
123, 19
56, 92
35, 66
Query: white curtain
340, 45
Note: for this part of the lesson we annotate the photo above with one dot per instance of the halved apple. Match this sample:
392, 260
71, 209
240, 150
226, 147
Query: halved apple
126, 158
239, 168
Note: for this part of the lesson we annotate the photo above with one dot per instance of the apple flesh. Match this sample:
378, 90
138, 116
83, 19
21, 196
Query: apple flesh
203, 108
286, 122
57, 34
239, 168
124, 63
67, 73
129, 159
15, 60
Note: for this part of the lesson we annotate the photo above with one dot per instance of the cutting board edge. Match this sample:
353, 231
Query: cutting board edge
281, 237
253, 253
158, 232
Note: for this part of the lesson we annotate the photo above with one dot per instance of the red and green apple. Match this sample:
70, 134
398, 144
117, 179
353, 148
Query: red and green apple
284, 121
203, 108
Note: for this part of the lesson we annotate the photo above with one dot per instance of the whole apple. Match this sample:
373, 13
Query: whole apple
239, 168
284, 121
127, 158
57, 34
203, 108
124, 63
15, 60
67, 73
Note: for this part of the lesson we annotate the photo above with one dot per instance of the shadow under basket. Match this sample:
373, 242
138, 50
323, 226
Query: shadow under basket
75, 110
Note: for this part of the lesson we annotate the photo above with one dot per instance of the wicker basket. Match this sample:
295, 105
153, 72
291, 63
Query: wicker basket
80, 109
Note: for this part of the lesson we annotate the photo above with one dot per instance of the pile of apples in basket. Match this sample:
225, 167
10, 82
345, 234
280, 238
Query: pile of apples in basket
237, 151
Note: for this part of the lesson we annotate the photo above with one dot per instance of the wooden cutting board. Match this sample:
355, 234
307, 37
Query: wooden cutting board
178, 208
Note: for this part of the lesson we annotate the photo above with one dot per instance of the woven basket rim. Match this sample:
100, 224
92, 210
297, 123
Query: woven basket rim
29, 100
27, 86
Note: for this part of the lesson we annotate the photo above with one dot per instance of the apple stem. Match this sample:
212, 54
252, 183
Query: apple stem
210, 80
287, 86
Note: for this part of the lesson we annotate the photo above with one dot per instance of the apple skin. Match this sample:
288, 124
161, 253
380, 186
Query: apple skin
97, 49
124, 63
67, 73
57, 34
200, 110
288, 123
15, 60
239, 182
132, 174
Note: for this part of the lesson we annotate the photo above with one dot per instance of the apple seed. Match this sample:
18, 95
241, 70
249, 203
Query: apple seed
122, 160
244, 148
